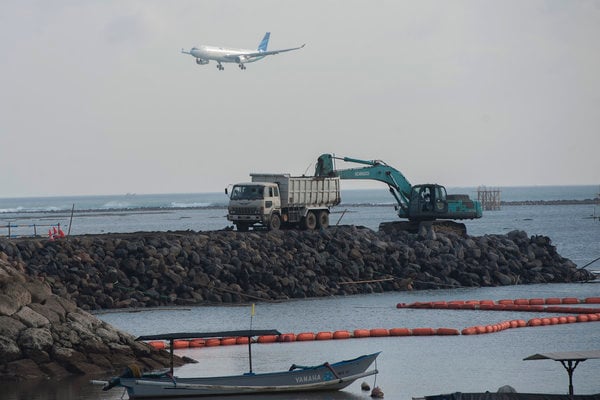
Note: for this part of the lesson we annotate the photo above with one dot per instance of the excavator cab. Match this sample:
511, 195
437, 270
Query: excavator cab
427, 202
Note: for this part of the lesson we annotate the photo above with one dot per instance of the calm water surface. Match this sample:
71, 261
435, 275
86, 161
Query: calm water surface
409, 366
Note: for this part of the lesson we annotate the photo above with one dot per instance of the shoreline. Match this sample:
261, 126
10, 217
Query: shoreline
159, 210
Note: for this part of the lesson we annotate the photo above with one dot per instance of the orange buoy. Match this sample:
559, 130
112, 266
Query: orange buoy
197, 343
423, 331
469, 306
455, 304
554, 320
287, 337
570, 300
582, 318
592, 300
212, 342
571, 319
521, 302
267, 339
446, 331
489, 329
400, 332
341, 335
553, 300
181, 344
522, 323
536, 302
228, 341
361, 333
419, 304
469, 331
304, 336
324, 336
486, 302
480, 329
379, 332
506, 302
535, 322
592, 317
562, 320
514, 323
242, 340
476, 302
157, 344
522, 307
439, 304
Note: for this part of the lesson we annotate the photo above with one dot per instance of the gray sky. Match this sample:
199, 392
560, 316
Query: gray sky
96, 98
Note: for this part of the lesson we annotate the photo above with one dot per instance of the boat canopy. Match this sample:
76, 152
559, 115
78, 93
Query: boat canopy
566, 356
202, 335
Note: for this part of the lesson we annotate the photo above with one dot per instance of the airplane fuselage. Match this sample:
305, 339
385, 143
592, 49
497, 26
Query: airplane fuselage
223, 54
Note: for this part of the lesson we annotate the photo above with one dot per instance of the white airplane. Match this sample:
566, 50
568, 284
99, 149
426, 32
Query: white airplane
204, 54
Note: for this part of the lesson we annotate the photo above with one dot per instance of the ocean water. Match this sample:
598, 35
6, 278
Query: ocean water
409, 366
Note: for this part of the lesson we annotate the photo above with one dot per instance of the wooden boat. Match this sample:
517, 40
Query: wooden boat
321, 377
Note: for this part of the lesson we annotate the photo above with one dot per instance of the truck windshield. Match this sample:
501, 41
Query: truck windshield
247, 192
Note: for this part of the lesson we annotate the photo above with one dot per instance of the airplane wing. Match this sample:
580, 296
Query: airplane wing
264, 53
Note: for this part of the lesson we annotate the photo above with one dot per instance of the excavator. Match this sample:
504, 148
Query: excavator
422, 205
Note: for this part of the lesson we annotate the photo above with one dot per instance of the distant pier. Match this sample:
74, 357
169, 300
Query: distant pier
489, 198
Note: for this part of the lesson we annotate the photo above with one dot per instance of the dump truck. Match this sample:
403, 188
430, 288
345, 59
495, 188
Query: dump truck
275, 201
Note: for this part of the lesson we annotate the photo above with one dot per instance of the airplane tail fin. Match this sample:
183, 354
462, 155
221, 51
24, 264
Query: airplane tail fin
264, 42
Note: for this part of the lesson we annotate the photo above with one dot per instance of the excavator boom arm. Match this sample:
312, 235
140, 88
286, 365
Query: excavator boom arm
375, 170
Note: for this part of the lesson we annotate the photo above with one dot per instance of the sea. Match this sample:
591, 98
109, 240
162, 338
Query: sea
408, 366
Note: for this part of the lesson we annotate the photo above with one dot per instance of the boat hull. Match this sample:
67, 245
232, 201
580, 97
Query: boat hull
319, 378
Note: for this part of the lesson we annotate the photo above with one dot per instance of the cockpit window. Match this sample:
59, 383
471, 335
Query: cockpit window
247, 192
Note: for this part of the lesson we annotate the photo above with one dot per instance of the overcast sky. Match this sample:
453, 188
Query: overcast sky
96, 97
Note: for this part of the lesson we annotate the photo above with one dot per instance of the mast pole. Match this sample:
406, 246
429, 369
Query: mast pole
250, 352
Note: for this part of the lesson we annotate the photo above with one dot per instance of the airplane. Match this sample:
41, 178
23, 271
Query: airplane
204, 54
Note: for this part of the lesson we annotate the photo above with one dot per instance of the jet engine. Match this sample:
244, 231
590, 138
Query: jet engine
200, 61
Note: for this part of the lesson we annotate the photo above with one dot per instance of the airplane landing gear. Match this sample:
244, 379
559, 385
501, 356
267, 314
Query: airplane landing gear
242, 66
220, 67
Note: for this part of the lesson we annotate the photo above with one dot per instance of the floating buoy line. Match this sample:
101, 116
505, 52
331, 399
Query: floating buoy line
545, 305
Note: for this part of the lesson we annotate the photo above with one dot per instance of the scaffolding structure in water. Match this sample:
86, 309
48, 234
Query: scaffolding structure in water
489, 198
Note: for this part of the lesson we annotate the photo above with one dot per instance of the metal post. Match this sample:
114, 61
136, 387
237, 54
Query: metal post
172, 351
250, 352
69, 234
570, 367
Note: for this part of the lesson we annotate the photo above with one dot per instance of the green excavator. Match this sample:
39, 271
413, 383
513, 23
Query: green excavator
422, 205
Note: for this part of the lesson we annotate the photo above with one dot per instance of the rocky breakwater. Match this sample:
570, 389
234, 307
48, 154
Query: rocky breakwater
165, 268
45, 335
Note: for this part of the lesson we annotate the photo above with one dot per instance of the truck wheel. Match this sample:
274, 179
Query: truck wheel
275, 222
242, 227
310, 221
323, 220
